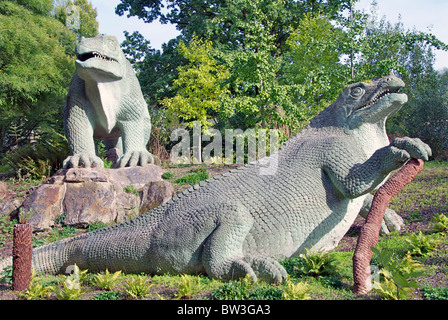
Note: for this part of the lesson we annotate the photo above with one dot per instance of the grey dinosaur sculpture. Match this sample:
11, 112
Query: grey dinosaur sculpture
242, 222
105, 102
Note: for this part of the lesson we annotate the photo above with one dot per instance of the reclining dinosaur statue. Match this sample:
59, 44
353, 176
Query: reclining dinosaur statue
105, 102
242, 222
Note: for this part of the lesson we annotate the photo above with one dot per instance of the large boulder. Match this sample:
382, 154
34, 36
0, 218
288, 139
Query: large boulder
81, 196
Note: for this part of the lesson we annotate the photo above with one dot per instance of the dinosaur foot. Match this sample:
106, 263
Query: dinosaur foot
135, 158
84, 160
258, 268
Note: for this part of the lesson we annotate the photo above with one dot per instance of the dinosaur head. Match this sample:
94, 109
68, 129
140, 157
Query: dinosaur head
100, 57
362, 103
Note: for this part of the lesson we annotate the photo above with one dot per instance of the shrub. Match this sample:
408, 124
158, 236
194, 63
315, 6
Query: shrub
39, 160
396, 273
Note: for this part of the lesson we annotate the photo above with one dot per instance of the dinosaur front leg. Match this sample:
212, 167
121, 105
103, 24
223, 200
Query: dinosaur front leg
354, 178
223, 256
134, 145
79, 132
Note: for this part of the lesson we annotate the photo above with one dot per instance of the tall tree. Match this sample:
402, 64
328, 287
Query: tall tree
77, 15
199, 86
36, 65
35, 69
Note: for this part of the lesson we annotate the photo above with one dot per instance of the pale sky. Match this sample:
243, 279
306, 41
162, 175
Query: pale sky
423, 15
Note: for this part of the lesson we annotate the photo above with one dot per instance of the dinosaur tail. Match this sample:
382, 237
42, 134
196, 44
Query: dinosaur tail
56, 257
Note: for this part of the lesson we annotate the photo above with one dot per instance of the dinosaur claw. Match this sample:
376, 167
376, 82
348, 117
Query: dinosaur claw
135, 158
83, 160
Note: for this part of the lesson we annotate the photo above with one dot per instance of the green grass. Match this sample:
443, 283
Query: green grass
194, 177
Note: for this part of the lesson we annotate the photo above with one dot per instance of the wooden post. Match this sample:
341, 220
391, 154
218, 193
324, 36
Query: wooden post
369, 234
22, 256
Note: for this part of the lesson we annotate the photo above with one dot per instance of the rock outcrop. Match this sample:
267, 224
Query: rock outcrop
81, 196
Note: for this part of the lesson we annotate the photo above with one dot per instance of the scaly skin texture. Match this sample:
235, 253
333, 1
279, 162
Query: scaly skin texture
305, 196
105, 102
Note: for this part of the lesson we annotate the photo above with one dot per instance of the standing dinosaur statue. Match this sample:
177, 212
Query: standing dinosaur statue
242, 222
105, 102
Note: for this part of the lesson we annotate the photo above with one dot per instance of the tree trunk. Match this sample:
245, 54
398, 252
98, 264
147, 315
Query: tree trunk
369, 233
22, 256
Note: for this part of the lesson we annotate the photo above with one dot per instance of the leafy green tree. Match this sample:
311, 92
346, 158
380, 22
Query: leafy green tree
35, 69
156, 69
313, 63
198, 85
77, 15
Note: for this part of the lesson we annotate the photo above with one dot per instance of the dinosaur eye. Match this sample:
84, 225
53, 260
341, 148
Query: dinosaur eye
111, 44
357, 92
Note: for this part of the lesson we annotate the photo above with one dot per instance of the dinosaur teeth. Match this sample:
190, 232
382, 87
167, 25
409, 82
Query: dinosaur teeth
102, 57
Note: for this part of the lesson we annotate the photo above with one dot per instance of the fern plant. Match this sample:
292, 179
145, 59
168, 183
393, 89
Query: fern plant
189, 286
35, 290
296, 291
137, 287
317, 263
71, 287
107, 280
422, 245
440, 223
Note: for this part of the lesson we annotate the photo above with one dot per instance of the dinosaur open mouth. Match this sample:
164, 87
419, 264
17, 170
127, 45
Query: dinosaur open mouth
89, 55
379, 96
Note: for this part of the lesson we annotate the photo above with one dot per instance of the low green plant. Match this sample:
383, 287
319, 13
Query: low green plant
422, 245
318, 263
438, 293
108, 295
107, 280
6, 274
60, 218
295, 291
97, 225
24, 216
137, 287
61, 233
194, 177
38, 242
71, 286
35, 290
41, 159
6, 227
167, 175
190, 286
396, 283
107, 163
131, 189
440, 223
234, 290
246, 289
